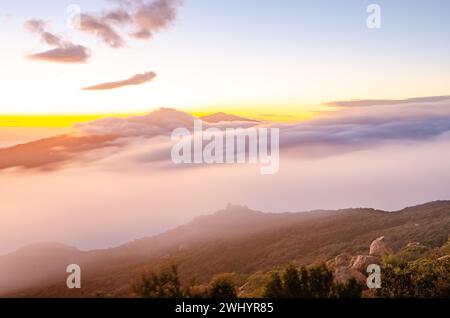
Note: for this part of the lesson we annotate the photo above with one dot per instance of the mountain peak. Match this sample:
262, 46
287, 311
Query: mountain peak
219, 117
166, 114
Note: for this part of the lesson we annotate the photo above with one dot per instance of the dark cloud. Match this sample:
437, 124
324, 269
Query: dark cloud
137, 79
384, 102
63, 51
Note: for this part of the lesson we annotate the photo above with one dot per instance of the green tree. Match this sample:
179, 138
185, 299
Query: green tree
352, 289
291, 282
274, 288
312, 282
223, 287
320, 282
164, 284
196, 291
424, 278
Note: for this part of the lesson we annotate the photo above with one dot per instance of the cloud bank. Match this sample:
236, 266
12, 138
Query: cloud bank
378, 102
63, 52
119, 198
137, 79
343, 131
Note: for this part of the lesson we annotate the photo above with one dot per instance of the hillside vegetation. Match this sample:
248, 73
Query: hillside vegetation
249, 244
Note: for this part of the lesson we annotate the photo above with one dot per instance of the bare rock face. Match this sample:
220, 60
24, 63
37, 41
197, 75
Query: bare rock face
343, 274
343, 260
361, 262
379, 247
331, 264
414, 244
348, 266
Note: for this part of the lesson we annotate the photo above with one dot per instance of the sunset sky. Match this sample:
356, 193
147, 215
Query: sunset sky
248, 57
87, 111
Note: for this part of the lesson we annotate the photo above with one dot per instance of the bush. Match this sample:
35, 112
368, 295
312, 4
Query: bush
222, 287
275, 288
313, 282
352, 289
425, 278
164, 284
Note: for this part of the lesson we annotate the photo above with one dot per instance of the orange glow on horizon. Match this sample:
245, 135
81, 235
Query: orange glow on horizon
68, 120
52, 121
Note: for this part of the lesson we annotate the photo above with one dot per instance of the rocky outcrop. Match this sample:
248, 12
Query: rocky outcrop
343, 274
379, 247
343, 260
361, 262
414, 244
348, 267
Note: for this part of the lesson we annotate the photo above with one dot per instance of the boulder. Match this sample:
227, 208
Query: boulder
414, 244
343, 274
379, 247
361, 262
331, 264
343, 260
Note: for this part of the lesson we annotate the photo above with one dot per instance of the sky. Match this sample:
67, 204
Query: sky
280, 58
86, 112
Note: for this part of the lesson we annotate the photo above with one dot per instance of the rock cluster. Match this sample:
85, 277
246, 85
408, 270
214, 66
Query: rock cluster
347, 266
379, 247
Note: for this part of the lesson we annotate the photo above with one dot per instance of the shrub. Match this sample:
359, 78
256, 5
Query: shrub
164, 284
312, 282
222, 287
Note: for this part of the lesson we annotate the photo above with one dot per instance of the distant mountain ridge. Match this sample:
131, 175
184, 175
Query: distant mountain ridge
236, 239
223, 117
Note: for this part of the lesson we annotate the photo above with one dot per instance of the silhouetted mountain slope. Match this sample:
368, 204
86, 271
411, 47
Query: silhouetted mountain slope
35, 265
232, 222
244, 241
51, 151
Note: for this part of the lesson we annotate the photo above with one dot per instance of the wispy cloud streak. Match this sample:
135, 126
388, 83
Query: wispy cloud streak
63, 51
137, 79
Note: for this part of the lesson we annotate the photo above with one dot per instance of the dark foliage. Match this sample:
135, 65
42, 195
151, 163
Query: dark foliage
312, 282
425, 278
165, 284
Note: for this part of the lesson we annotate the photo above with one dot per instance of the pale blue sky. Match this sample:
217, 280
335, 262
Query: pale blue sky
238, 53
